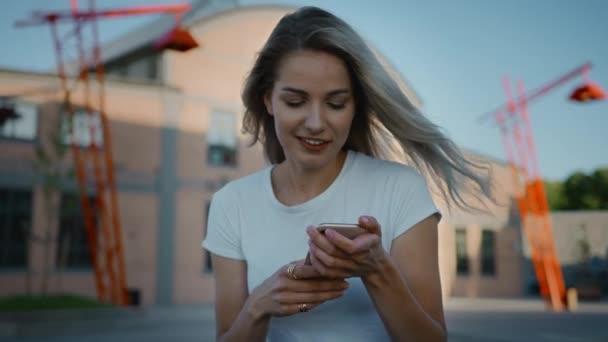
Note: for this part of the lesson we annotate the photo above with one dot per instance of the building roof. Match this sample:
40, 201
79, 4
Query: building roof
201, 11
151, 31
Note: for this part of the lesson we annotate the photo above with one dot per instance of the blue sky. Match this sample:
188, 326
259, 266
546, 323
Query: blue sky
454, 53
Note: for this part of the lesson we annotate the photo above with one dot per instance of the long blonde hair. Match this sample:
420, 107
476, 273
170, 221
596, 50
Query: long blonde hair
385, 125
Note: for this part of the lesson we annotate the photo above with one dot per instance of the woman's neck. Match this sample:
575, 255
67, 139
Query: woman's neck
293, 185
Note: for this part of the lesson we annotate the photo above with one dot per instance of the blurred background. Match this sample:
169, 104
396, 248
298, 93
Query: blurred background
119, 121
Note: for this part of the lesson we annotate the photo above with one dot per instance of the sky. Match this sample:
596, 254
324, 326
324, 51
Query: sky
453, 53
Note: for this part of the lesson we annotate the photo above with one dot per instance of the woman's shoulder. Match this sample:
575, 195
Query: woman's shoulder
387, 169
246, 185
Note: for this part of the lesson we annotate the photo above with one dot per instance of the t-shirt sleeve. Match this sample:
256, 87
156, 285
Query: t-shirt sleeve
223, 235
411, 202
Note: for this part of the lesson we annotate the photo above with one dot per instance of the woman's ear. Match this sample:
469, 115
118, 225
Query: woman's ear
268, 102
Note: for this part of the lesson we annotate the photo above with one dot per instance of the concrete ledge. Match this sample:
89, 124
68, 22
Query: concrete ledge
91, 321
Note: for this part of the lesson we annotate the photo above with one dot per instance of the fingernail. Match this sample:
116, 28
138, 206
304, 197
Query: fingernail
365, 219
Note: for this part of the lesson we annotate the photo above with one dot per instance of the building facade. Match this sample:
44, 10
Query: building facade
175, 127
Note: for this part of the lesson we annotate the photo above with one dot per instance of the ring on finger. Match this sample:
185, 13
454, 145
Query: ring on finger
303, 307
290, 271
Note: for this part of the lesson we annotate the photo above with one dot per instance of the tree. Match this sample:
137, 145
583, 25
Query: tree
579, 191
599, 186
555, 195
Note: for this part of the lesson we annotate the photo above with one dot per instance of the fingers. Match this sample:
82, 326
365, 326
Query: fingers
364, 243
293, 296
370, 224
353, 248
336, 245
328, 272
287, 298
322, 242
290, 309
330, 261
310, 280
302, 271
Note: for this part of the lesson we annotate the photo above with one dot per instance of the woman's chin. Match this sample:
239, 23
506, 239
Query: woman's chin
313, 161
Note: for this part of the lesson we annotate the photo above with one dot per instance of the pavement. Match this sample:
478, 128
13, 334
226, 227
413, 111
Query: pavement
500, 320
490, 320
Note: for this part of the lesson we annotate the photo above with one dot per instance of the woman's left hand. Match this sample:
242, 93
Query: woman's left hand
336, 256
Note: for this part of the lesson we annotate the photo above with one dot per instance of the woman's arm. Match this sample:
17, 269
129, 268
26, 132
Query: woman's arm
404, 286
244, 317
406, 290
235, 320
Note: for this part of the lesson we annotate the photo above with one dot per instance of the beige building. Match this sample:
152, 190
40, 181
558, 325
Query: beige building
175, 125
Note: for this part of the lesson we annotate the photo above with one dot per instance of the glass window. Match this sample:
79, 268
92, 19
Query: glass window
86, 129
138, 66
222, 140
15, 223
25, 127
488, 252
73, 245
462, 259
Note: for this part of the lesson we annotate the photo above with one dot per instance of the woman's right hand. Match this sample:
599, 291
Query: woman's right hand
281, 295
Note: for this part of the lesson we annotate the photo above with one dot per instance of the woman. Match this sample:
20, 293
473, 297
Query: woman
328, 115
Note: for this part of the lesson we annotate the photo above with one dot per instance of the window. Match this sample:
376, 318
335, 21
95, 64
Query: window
81, 123
222, 140
208, 266
488, 247
140, 65
24, 127
462, 260
143, 68
73, 246
15, 222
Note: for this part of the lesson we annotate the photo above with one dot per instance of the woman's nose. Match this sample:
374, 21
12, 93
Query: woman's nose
314, 119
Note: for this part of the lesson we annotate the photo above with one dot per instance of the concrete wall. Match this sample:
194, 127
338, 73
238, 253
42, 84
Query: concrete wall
574, 232
501, 217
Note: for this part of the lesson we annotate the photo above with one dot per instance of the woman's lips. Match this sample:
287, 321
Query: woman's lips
314, 145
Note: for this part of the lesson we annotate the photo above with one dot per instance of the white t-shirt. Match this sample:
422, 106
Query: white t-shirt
247, 222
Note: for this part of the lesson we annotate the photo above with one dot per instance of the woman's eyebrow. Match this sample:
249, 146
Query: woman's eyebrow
294, 90
338, 92
302, 92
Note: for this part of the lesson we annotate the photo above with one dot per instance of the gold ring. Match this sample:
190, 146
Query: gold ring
302, 307
290, 271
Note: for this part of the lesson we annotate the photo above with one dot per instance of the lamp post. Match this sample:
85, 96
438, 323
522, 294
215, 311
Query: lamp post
106, 249
514, 122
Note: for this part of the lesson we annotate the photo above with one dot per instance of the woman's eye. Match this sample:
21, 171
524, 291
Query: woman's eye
294, 104
336, 105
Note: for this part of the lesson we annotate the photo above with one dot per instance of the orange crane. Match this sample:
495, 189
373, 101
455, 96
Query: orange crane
514, 122
106, 247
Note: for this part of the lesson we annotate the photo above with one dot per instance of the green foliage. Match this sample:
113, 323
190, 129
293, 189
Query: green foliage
555, 195
50, 302
580, 191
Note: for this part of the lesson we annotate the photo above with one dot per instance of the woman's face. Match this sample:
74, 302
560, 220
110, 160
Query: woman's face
313, 107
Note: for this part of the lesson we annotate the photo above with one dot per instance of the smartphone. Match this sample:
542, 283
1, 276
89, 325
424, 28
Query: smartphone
348, 230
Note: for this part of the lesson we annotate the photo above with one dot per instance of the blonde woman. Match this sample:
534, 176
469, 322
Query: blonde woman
329, 115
